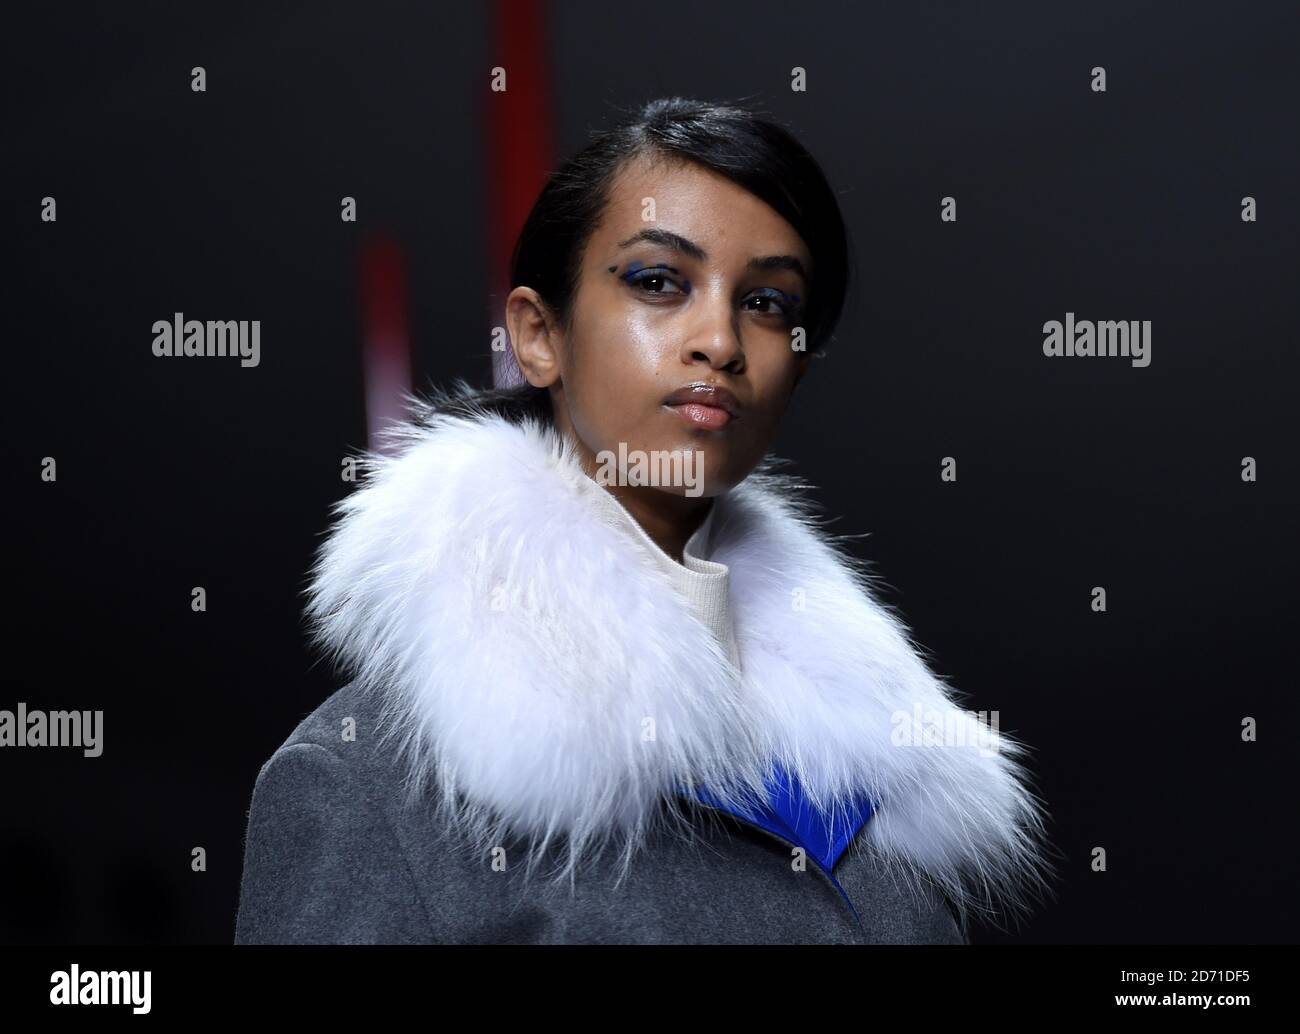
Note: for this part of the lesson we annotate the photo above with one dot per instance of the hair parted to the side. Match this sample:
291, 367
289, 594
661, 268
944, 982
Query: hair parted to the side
734, 140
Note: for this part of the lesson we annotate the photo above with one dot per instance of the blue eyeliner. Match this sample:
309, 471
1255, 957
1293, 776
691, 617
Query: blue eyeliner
638, 267
790, 302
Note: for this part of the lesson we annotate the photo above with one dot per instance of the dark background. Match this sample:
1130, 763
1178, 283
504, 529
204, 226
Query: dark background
1073, 473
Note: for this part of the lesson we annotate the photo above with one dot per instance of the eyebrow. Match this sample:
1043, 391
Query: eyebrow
668, 239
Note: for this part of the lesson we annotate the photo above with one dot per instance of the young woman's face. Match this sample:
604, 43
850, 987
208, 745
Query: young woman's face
689, 279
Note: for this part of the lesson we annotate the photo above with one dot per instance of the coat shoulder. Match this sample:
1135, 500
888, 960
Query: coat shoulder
328, 725
322, 862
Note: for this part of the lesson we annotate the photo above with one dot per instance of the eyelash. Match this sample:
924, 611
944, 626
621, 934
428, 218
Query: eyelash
791, 309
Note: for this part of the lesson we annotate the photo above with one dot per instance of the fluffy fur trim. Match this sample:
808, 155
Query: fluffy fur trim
536, 666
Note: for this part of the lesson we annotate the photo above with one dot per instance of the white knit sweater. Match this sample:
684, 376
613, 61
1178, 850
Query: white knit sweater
704, 583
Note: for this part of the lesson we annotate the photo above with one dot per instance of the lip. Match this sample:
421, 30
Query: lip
701, 393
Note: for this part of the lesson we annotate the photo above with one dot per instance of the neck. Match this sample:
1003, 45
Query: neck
670, 520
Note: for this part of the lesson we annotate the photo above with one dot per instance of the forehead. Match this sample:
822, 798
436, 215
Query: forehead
725, 219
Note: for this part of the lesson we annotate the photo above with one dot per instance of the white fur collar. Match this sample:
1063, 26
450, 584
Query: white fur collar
537, 665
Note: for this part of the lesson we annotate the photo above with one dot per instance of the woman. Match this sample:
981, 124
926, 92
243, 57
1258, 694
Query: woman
611, 681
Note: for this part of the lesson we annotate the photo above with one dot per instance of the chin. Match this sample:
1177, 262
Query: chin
680, 466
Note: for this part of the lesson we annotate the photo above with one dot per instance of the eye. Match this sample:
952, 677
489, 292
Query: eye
785, 305
643, 278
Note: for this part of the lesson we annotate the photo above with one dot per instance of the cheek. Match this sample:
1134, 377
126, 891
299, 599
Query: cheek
640, 349
615, 379
774, 376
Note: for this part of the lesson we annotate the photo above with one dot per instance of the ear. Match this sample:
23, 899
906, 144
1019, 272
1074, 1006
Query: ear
533, 338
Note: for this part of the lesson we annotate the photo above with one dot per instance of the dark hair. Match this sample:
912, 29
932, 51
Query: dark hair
734, 141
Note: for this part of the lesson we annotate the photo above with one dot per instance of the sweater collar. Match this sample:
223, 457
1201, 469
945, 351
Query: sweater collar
539, 677
703, 584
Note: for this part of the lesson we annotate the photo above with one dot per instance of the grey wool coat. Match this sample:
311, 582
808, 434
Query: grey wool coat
527, 702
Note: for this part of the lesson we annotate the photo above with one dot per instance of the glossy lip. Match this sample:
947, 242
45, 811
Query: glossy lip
702, 393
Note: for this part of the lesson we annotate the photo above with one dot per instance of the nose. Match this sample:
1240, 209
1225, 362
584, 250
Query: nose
715, 338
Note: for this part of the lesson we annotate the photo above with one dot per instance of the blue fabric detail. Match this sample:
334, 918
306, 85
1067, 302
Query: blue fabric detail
787, 813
